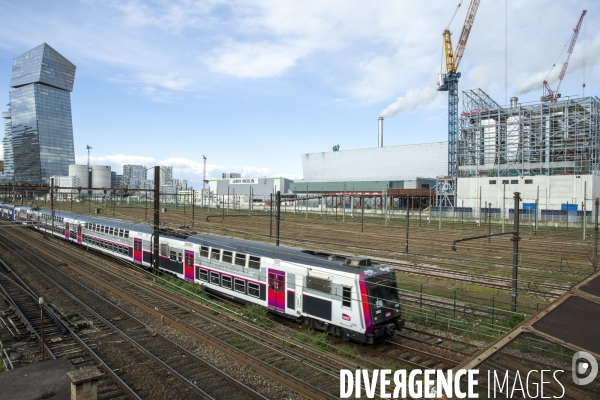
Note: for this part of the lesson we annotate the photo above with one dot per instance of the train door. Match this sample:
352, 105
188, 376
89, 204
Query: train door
39, 222
276, 290
67, 233
188, 265
79, 234
137, 251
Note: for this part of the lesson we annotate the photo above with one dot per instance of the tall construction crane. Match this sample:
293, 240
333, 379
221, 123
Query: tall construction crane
449, 80
553, 95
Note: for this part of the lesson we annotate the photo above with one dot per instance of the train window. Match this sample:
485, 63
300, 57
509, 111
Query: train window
203, 251
215, 254
214, 278
254, 262
112, 231
121, 232
240, 286
173, 256
228, 256
126, 234
202, 274
226, 281
253, 289
164, 249
240, 259
179, 257
346, 296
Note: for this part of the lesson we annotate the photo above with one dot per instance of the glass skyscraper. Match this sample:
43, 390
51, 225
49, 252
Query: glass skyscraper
40, 115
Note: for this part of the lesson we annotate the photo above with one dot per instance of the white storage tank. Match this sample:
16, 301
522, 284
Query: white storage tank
100, 178
80, 172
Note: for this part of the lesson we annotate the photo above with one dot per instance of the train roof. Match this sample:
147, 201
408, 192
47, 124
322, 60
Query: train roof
115, 223
284, 253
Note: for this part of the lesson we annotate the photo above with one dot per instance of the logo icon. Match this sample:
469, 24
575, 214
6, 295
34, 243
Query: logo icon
346, 317
580, 368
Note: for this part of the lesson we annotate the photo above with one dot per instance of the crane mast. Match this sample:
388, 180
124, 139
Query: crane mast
449, 80
553, 95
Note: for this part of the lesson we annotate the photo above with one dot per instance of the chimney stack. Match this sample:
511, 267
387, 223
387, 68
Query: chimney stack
513, 102
380, 132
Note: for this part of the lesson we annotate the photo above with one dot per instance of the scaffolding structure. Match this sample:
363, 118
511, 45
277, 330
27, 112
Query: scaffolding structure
551, 138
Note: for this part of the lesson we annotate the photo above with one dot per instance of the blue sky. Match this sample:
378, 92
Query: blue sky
254, 84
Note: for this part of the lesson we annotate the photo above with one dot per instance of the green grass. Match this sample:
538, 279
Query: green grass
170, 283
258, 313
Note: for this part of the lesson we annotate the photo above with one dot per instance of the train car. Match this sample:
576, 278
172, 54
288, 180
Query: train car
351, 298
7, 211
102, 234
21, 214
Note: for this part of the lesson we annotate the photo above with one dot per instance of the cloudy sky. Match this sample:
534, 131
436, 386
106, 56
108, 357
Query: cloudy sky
254, 84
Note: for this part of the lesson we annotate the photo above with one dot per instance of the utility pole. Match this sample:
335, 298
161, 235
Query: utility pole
204, 175
407, 226
155, 250
515, 239
596, 231
41, 301
271, 218
52, 204
278, 216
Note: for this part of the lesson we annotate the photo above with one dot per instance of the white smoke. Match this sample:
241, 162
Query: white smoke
411, 100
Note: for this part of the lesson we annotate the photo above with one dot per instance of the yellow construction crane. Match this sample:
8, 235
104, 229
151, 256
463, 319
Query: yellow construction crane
449, 80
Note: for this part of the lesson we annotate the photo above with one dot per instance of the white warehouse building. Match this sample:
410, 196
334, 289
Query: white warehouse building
414, 166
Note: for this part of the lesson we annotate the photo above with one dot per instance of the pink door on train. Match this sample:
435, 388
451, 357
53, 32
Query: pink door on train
79, 234
67, 233
137, 251
188, 265
276, 290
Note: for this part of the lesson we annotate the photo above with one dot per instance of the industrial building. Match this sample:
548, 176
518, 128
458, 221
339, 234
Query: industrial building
373, 170
548, 151
38, 140
260, 188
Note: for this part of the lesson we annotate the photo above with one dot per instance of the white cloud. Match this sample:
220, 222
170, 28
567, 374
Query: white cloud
253, 60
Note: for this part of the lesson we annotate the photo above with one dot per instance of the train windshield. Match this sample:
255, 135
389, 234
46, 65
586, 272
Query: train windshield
383, 293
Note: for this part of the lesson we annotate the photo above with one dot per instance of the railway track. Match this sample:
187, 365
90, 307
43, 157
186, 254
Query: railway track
280, 360
494, 282
60, 340
179, 371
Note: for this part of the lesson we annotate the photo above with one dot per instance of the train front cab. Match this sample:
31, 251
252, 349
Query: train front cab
381, 306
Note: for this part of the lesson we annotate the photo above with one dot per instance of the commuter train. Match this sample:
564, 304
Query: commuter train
351, 298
